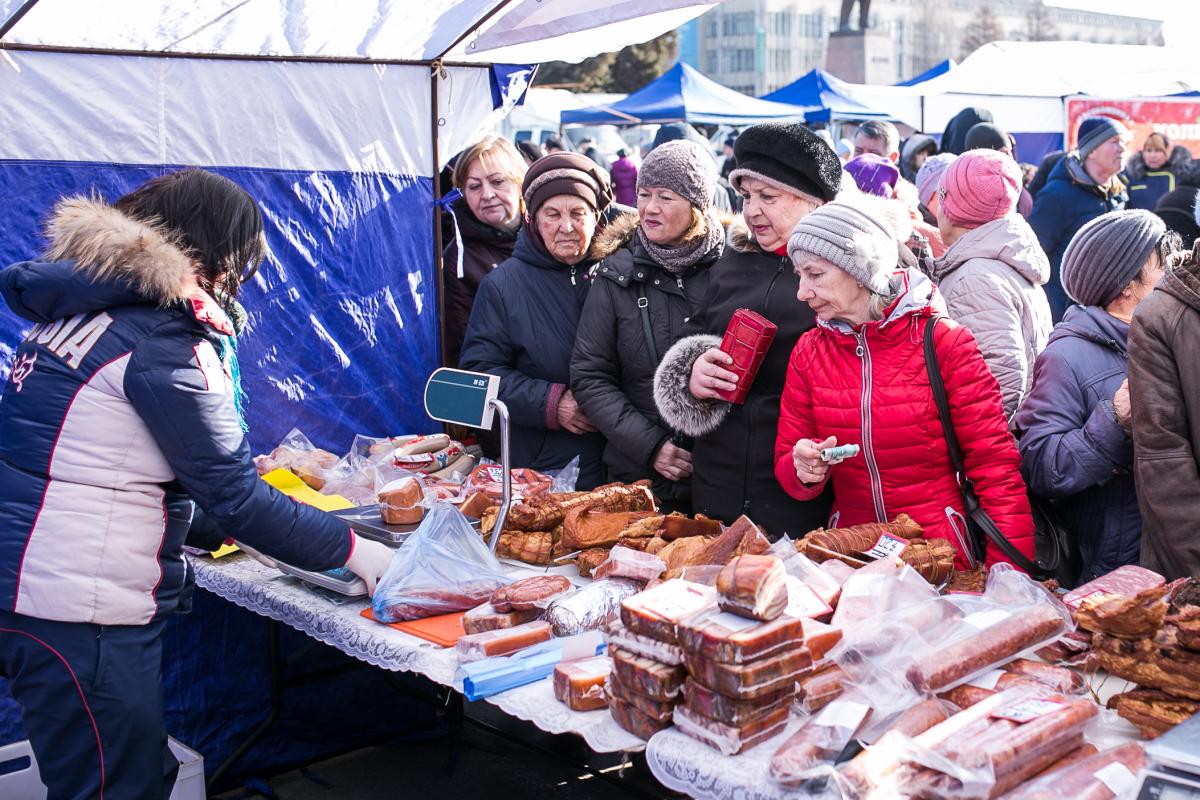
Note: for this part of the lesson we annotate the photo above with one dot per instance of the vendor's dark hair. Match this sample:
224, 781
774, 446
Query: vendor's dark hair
216, 221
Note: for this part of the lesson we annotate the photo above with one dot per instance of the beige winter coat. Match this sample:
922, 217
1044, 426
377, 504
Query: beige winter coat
992, 280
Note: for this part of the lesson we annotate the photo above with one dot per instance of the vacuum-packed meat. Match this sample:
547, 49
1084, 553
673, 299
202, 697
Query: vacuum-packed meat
655, 612
1102, 776
502, 641
486, 618
753, 586
580, 683
634, 720
620, 636
731, 739
647, 677
754, 679
715, 706
623, 562
527, 594
732, 639
819, 689
661, 710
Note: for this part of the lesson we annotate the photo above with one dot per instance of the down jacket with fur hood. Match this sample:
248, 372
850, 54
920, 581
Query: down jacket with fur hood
118, 414
1147, 186
612, 366
992, 280
867, 385
733, 469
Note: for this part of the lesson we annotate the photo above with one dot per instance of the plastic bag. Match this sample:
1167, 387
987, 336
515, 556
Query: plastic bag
808, 752
731, 739
864, 772
1106, 775
798, 565
297, 453
443, 566
624, 562
590, 608
501, 641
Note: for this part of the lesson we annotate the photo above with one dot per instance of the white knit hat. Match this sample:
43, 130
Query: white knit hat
852, 235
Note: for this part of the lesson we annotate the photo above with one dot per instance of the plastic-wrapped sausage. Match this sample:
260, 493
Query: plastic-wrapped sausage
1101, 776
1060, 679
819, 740
865, 770
820, 689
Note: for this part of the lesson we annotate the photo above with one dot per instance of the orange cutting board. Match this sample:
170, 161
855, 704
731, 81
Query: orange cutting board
445, 630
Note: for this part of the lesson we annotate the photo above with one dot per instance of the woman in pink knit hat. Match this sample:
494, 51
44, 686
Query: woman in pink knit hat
993, 270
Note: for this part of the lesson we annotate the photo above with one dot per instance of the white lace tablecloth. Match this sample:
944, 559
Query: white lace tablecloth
244, 582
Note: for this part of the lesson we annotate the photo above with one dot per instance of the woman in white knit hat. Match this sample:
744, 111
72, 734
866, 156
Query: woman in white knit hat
860, 378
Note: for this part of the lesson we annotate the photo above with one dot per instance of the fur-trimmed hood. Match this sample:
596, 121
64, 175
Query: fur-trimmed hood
741, 237
613, 236
1179, 163
107, 245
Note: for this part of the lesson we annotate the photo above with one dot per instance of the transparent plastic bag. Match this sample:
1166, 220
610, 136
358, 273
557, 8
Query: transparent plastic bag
296, 453
809, 753
443, 566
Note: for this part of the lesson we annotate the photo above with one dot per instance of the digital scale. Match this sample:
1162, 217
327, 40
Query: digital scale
1174, 771
339, 579
367, 522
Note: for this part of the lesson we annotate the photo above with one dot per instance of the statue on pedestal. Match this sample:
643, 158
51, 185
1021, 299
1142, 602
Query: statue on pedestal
864, 9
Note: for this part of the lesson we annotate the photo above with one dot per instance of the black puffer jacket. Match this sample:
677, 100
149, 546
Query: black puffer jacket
483, 249
612, 369
733, 456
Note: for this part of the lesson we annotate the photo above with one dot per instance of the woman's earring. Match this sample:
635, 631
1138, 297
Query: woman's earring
860, 286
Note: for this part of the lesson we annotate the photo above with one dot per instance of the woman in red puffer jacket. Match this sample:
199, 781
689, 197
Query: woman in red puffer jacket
860, 378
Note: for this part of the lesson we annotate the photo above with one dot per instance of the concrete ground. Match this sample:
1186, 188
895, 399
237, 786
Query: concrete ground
498, 758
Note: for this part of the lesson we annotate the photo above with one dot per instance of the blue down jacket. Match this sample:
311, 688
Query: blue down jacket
118, 414
1072, 448
522, 328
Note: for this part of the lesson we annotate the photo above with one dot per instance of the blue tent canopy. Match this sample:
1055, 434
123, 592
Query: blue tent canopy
684, 94
933, 72
817, 93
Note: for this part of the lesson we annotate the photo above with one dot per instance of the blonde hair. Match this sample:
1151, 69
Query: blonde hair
501, 152
1157, 141
698, 228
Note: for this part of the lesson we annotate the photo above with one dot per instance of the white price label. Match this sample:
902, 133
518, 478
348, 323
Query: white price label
803, 601
1027, 710
732, 622
675, 599
858, 586
842, 714
888, 546
987, 680
1117, 777
985, 619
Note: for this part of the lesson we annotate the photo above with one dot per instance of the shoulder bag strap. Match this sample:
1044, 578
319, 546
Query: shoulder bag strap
975, 512
643, 304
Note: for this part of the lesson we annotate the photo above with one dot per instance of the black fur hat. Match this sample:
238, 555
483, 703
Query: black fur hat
790, 156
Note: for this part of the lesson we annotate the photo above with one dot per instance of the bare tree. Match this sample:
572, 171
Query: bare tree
932, 34
1039, 24
981, 30
626, 70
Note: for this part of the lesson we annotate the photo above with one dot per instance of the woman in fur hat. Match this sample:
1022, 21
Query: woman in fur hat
784, 172
652, 279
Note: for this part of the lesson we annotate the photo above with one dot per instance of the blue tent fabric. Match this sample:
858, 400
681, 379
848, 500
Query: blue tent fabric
940, 68
817, 94
683, 94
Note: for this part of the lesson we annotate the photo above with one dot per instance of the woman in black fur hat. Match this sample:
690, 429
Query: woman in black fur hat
784, 171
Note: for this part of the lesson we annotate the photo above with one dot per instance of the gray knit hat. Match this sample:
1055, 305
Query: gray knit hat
684, 167
1095, 131
1107, 253
850, 234
929, 176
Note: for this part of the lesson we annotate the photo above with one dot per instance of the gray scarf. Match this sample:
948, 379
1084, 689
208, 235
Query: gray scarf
677, 260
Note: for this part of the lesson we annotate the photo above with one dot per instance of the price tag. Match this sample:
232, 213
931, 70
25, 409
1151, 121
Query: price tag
732, 622
985, 619
842, 714
803, 602
859, 586
1027, 710
987, 680
888, 546
675, 599
1117, 777
494, 472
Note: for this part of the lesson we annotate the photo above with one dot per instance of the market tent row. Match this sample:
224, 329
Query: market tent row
822, 99
683, 94
335, 117
940, 68
1026, 86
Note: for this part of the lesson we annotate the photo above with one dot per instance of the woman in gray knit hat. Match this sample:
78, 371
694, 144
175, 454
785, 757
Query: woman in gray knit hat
1074, 427
653, 276
860, 378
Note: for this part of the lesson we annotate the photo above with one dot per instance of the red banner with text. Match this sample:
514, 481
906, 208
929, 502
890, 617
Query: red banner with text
1178, 120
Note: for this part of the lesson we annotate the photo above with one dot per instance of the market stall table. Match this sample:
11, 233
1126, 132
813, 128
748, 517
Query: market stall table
247, 583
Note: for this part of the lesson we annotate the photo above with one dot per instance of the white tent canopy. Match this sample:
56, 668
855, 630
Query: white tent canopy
1024, 83
497, 31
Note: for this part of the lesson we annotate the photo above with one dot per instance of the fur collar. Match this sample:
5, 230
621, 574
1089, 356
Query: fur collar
741, 237
613, 236
108, 245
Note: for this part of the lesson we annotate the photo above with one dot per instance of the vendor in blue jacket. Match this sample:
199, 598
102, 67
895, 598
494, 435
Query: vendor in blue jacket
117, 423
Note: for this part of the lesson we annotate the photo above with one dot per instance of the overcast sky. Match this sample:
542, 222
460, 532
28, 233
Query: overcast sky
1181, 17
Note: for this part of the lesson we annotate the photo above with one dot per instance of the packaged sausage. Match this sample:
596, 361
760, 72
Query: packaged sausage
753, 586
754, 679
715, 706
502, 641
819, 689
655, 612
661, 710
647, 677
866, 770
820, 740
634, 720
620, 636
624, 562
589, 608
732, 639
486, 618
580, 683
731, 739
1103, 776
535, 593
1126, 581
1058, 678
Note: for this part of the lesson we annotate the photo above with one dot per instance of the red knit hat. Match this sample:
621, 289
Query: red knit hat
980, 186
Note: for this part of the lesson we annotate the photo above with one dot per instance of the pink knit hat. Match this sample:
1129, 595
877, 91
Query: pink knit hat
980, 186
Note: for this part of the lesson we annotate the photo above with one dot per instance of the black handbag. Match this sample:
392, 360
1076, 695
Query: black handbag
1051, 537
